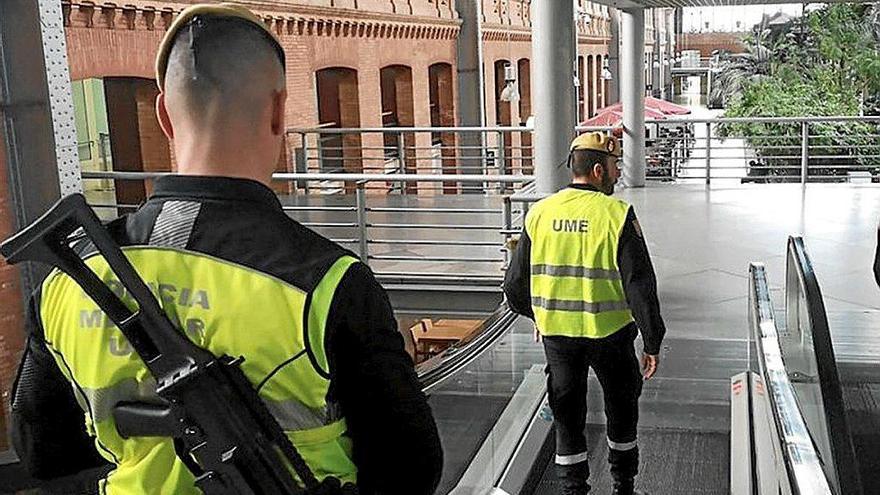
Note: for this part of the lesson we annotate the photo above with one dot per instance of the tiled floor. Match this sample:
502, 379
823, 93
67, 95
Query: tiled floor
702, 241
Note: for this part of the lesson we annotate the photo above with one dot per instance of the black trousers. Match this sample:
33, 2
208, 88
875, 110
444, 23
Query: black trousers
614, 361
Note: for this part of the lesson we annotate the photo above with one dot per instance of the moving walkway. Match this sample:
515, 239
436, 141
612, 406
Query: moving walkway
785, 414
801, 418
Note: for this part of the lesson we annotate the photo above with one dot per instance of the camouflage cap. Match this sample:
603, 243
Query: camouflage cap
217, 10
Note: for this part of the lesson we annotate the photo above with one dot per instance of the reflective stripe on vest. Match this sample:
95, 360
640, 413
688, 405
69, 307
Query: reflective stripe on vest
575, 279
225, 308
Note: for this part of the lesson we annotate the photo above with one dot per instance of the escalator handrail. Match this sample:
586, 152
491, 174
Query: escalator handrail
804, 471
829, 378
435, 371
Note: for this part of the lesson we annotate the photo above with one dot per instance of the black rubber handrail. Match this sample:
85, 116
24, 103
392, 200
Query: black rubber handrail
829, 378
804, 473
445, 365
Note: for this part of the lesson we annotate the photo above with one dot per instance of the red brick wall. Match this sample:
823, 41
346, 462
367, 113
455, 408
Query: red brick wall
11, 308
102, 43
707, 42
105, 42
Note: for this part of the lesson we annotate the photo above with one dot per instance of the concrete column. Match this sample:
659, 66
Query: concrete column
670, 52
632, 93
614, 58
553, 93
471, 85
658, 16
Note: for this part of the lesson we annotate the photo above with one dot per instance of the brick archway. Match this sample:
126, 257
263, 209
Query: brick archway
592, 100
396, 93
503, 117
524, 77
338, 106
98, 46
442, 103
137, 143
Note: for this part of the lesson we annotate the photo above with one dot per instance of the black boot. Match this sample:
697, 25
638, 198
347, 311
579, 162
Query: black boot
625, 487
573, 478
624, 467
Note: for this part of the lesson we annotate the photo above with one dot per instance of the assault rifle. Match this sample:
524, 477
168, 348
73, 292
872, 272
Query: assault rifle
222, 430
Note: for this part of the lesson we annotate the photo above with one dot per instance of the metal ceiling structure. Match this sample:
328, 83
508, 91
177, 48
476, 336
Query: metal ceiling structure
657, 4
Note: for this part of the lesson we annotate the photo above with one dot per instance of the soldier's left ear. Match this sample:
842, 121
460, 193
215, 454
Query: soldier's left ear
598, 170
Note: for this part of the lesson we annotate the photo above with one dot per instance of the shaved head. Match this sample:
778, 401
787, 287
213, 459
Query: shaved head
222, 62
223, 97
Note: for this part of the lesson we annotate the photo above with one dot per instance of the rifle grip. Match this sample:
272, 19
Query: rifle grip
141, 419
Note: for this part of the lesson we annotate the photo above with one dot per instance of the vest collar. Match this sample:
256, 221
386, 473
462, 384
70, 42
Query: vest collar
583, 187
214, 188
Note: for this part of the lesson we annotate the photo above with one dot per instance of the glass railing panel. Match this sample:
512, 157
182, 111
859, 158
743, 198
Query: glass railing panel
468, 404
798, 351
810, 364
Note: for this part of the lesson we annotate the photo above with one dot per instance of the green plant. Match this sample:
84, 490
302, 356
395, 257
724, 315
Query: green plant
824, 64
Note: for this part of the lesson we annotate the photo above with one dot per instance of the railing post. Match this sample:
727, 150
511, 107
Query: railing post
502, 165
507, 225
401, 161
708, 153
805, 151
102, 151
302, 159
361, 199
677, 154
299, 165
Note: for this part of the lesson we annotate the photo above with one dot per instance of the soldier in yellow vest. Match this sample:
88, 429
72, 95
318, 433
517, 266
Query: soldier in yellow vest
240, 277
581, 271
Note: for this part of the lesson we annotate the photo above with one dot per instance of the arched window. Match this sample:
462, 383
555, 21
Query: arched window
338, 106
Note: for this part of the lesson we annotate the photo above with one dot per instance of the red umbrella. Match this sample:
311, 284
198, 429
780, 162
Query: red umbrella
606, 118
611, 117
661, 106
666, 107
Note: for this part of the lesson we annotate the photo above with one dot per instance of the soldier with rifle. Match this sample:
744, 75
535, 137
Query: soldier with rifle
291, 376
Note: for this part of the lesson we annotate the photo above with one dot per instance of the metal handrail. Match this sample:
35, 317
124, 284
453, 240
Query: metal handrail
440, 368
681, 149
762, 120
803, 467
668, 120
355, 224
801, 281
400, 130
466, 178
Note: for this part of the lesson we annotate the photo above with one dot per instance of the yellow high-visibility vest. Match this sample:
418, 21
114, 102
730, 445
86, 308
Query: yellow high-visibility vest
575, 280
225, 308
